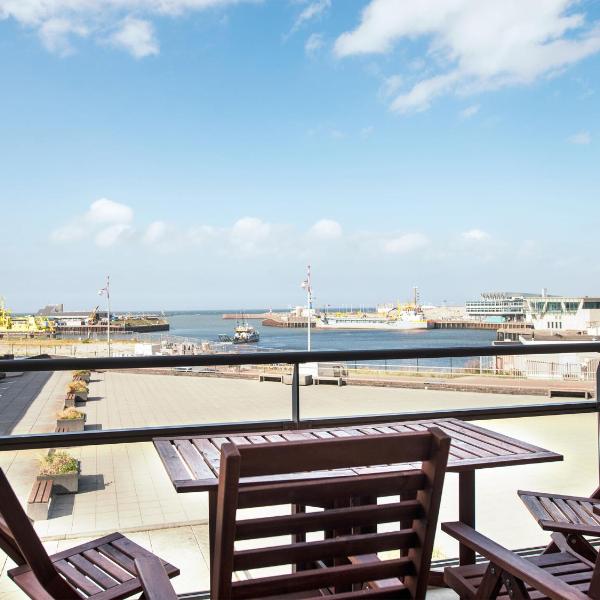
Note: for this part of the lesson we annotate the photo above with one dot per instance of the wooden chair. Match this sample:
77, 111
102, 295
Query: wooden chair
562, 575
344, 560
101, 569
154, 579
572, 517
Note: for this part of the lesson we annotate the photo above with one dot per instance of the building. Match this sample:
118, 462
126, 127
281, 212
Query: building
566, 313
498, 306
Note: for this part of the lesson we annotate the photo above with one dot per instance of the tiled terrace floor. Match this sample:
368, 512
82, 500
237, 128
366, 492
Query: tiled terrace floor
124, 487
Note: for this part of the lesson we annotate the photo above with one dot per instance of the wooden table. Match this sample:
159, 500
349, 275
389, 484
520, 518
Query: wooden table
193, 462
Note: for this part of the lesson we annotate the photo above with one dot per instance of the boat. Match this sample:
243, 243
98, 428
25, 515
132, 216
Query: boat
401, 318
245, 334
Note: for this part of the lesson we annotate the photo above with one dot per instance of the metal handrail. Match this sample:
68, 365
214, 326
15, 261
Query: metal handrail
295, 358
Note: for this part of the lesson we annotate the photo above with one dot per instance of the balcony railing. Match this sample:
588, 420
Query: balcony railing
293, 359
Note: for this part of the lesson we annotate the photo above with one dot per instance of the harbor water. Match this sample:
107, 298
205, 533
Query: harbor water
207, 325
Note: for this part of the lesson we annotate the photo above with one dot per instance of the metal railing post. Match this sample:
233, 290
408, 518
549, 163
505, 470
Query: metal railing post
296, 395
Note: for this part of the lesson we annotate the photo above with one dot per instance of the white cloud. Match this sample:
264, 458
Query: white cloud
137, 37
55, 34
313, 44
112, 234
313, 10
326, 229
469, 111
106, 221
475, 235
155, 232
408, 242
474, 45
57, 20
108, 211
249, 233
582, 138
390, 86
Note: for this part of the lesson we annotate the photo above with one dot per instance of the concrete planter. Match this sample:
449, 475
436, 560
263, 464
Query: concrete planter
302, 379
83, 396
67, 483
69, 425
70, 401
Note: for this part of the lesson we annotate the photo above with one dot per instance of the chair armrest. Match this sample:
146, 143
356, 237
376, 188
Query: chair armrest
154, 579
512, 563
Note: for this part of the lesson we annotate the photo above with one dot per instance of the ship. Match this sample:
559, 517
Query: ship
245, 334
27, 325
401, 317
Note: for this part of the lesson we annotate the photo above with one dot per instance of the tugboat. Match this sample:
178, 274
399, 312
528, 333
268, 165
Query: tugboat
242, 334
245, 334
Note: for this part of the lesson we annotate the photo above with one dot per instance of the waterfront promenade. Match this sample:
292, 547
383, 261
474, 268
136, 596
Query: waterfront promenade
124, 486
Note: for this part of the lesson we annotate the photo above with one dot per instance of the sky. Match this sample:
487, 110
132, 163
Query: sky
203, 152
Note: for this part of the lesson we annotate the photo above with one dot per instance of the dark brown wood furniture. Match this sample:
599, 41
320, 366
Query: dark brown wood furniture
192, 463
101, 569
155, 580
563, 575
572, 517
343, 558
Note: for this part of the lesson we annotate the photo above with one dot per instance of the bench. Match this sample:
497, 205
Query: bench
339, 381
61, 429
70, 400
271, 377
563, 393
38, 503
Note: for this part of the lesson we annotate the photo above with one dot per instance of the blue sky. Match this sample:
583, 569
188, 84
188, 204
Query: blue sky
202, 152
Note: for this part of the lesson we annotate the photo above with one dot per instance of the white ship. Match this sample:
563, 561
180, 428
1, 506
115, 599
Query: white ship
408, 316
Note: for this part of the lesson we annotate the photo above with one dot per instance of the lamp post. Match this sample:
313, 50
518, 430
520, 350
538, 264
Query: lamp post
105, 291
306, 284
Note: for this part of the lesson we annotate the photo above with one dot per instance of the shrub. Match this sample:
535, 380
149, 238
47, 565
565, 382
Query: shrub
58, 463
82, 373
70, 413
77, 386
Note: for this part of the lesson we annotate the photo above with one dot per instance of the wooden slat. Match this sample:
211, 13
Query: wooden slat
552, 509
93, 572
330, 454
172, 461
571, 515
488, 434
452, 428
317, 578
76, 579
397, 592
356, 516
124, 561
385, 484
324, 549
153, 578
209, 452
105, 564
193, 459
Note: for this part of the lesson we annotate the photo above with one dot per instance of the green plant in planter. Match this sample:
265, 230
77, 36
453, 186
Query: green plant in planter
58, 463
82, 372
70, 414
77, 386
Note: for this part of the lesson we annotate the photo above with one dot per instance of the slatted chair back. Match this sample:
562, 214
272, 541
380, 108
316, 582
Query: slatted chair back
343, 558
20, 541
